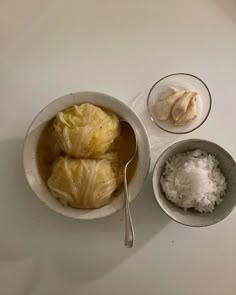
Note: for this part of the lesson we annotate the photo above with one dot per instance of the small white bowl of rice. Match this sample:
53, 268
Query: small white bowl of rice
194, 182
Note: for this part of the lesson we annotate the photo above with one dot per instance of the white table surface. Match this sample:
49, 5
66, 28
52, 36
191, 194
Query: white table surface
52, 47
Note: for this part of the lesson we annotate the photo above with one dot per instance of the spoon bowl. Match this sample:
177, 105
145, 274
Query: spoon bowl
128, 148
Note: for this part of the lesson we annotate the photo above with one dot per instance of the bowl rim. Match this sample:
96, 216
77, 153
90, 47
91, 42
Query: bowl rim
179, 132
113, 209
155, 182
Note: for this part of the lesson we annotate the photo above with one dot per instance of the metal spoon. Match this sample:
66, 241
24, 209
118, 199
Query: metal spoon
129, 150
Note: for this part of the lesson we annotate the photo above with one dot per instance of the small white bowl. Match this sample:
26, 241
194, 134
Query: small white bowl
31, 140
191, 217
180, 81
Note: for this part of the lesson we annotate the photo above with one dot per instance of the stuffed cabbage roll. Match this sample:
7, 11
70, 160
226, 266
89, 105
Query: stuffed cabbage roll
86, 130
84, 183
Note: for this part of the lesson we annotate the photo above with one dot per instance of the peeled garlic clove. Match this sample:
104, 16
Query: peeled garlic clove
170, 91
164, 107
173, 89
182, 104
190, 114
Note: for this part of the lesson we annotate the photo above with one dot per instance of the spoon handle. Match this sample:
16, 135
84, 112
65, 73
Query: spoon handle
129, 229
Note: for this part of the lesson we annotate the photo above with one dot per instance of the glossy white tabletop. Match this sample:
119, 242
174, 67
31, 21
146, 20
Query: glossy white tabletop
52, 47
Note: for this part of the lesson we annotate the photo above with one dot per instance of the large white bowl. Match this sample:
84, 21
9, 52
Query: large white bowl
29, 154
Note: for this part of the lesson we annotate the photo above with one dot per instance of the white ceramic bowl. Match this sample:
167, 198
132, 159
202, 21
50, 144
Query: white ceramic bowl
191, 217
29, 154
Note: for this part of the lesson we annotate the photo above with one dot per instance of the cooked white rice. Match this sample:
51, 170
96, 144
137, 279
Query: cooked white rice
193, 180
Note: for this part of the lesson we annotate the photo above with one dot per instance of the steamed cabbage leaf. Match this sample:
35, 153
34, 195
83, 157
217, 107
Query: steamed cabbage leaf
86, 130
84, 183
